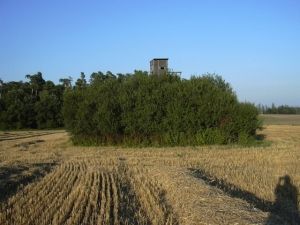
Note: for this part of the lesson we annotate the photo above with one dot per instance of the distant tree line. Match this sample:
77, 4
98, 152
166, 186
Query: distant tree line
33, 104
141, 109
282, 109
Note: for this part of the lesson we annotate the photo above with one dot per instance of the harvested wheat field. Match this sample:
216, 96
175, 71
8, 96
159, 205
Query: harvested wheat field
46, 180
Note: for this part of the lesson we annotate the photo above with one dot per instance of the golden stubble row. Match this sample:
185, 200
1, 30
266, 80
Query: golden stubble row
83, 191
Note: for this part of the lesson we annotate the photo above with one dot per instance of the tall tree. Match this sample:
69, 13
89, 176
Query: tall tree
36, 82
1, 87
81, 82
66, 82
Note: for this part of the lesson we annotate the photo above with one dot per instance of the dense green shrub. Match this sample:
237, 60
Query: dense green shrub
144, 110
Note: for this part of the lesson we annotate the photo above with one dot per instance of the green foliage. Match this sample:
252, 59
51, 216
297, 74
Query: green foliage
48, 111
131, 110
155, 110
33, 104
211, 136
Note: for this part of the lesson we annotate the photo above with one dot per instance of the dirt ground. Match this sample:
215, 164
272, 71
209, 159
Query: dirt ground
44, 179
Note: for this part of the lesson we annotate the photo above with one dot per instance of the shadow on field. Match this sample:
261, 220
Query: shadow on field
23, 146
283, 211
260, 137
14, 177
232, 190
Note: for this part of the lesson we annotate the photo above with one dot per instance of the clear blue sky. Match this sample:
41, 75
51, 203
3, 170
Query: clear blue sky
253, 44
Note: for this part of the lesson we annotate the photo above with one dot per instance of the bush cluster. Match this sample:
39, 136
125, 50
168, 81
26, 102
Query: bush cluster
150, 110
